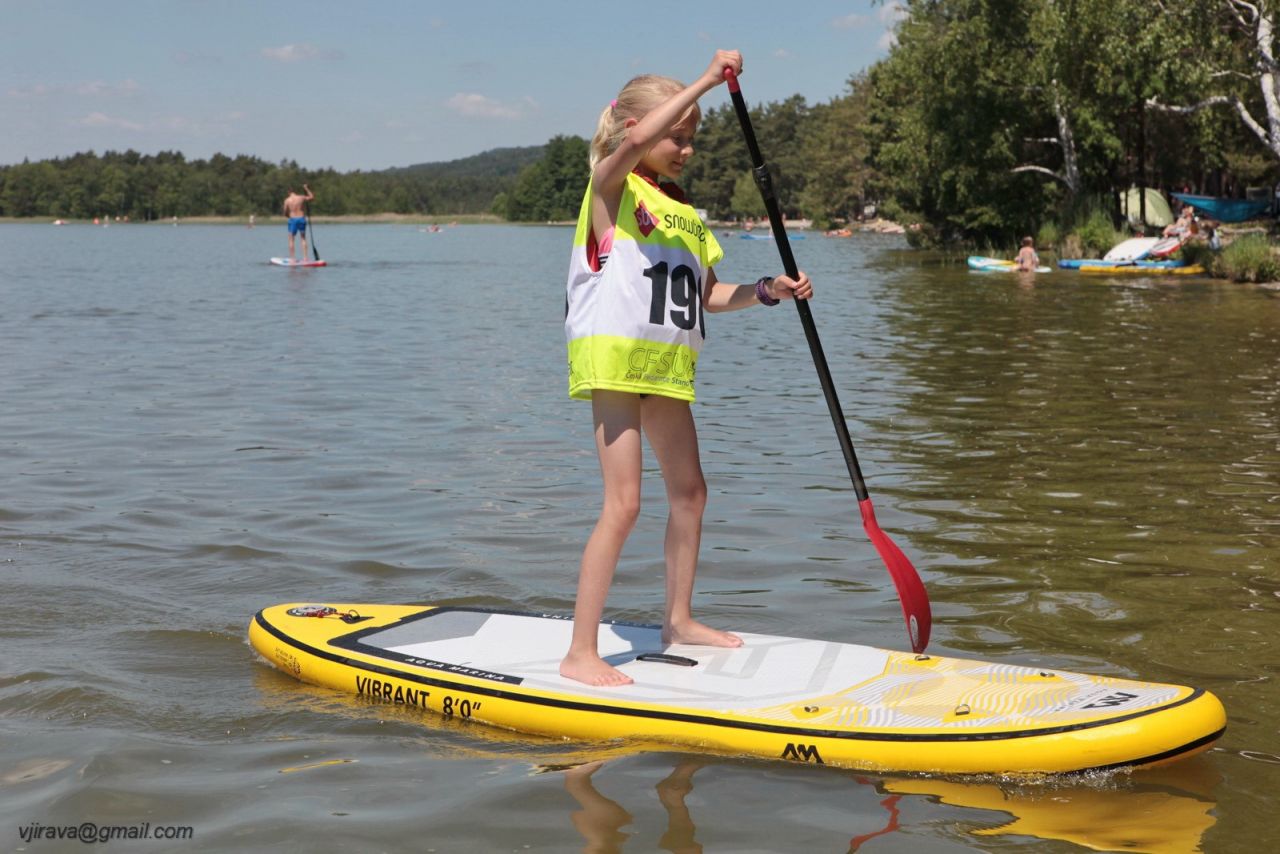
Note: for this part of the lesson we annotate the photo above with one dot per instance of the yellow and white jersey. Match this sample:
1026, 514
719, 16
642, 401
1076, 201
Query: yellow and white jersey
637, 324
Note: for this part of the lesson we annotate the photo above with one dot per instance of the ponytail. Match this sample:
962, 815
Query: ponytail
603, 142
637, 98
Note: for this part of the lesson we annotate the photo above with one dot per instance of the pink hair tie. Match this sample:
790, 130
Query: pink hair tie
613, 105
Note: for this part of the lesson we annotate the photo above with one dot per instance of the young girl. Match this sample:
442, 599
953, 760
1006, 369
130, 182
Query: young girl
640, 283
1027, 259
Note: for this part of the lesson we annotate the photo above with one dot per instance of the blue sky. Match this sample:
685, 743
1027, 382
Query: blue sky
369, 85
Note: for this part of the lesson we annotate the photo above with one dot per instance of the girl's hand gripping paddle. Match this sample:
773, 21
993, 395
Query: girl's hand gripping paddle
915, 601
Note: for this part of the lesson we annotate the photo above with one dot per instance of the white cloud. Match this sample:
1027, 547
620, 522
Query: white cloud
850, 22
88, 88
102, 120
299, 53
891, 13
782, 53
479, 106
219, 124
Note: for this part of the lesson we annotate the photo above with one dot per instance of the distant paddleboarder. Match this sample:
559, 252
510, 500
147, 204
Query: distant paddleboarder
294, 209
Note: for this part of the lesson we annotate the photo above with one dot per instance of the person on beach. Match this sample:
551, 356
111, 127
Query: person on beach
1184, 226
640, 283
295, 209
1027, 259
1211, 235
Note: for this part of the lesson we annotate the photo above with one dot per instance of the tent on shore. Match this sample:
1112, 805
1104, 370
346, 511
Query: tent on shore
1158, 213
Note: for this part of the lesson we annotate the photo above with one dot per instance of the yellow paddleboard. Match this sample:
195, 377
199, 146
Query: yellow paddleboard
808, 701
1130, 270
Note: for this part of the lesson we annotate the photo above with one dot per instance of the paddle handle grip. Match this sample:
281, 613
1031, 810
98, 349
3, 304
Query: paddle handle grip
764, 181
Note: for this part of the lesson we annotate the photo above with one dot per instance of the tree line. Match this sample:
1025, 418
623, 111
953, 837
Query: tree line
146, 187
987, 120
991, 119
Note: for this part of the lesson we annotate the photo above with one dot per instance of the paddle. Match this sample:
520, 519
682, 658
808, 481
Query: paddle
311, 229
911, 592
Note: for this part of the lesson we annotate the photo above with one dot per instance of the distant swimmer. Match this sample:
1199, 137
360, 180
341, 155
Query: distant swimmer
295, 210
1027, 259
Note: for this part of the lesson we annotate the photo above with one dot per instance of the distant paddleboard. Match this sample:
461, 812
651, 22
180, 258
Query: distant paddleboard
1150, 270
1133, 249
1166, 247
289, 262
984, 264
808, 701
1077, 263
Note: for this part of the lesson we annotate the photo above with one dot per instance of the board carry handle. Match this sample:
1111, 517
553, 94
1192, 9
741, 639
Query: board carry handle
911, 590
667, 658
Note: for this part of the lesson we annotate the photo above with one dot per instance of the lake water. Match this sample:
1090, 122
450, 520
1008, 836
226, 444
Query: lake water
1085, 472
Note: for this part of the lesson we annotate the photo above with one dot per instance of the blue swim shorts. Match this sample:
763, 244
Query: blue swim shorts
298, 225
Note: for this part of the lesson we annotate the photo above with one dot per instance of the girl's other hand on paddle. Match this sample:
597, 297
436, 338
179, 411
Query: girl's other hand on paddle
785, 287
722, 60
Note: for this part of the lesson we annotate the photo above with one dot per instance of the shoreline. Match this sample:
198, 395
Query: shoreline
280, 221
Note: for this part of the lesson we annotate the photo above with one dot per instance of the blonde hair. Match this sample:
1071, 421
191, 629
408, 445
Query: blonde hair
637, 98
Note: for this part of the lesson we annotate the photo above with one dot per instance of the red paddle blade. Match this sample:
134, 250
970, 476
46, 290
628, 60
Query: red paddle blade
911, 592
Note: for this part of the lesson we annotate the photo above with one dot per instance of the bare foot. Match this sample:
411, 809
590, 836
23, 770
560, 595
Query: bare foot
592, 670
694, 632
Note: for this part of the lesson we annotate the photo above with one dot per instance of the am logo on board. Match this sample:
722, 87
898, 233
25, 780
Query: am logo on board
802, 753
1119, 698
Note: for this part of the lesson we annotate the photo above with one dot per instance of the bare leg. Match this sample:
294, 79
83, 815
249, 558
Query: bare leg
668, 425
304, 245
600, 821
291, 246
672, 792
617, 430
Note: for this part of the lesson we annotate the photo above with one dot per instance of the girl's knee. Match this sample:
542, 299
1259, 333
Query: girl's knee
621, 511
688, 497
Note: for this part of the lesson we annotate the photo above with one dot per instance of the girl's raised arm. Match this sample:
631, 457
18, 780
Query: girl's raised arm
612, 170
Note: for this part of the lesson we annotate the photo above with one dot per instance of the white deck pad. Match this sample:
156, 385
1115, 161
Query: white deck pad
764, 671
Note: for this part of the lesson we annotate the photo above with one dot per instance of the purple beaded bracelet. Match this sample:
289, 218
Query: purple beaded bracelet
762, 292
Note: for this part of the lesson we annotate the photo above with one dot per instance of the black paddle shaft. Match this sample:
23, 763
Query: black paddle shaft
764, 181
311, 230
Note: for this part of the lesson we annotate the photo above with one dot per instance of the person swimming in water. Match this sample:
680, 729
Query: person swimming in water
1027, 259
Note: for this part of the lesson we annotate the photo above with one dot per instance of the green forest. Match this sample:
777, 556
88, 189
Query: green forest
988, 119
146, 187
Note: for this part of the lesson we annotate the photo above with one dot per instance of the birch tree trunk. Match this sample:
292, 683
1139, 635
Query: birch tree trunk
1069, 175
1258, 20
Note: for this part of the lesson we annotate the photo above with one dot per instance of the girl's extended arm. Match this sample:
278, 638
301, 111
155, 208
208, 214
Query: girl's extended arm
723, 296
